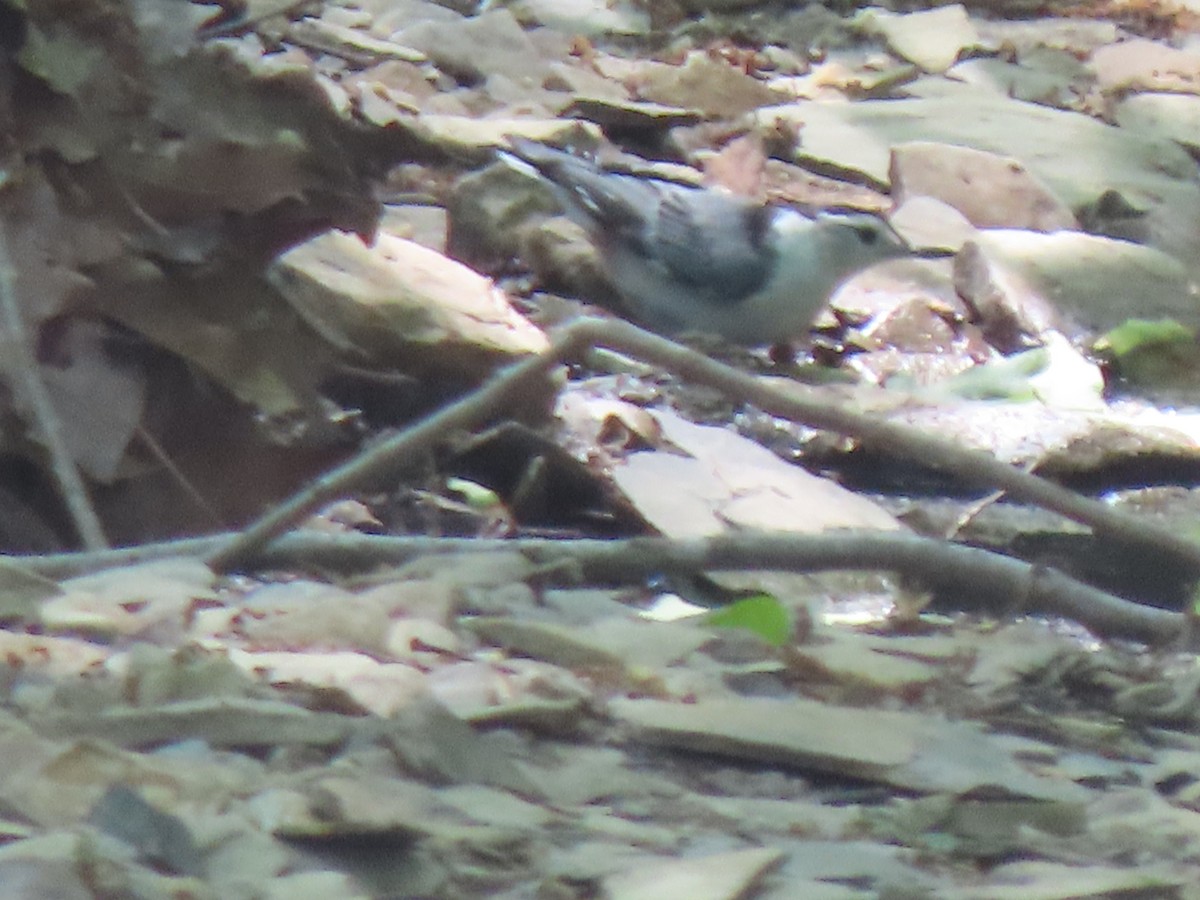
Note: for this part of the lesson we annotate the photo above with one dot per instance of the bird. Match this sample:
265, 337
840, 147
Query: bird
698, 260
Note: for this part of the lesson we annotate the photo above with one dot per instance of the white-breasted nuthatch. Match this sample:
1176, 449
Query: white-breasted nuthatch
690, 259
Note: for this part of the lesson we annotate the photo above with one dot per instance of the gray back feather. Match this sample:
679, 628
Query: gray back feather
709, 241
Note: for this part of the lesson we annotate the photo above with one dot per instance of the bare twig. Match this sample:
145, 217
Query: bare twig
978, 580
76, 562
33, 389
972, 466
237, 18
477, 407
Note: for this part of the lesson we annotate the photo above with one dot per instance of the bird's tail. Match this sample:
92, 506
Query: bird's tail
589, 195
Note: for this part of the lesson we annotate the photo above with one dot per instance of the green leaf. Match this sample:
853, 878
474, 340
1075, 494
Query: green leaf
1158, 354
472, 493
1141, 334
1006, 378
762, 614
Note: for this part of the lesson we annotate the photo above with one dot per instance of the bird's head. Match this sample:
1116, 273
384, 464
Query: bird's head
842, 243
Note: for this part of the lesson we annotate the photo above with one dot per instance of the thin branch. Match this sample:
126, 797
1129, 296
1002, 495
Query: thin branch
510, 385
979, 580
62, 465
972, 466
976, 580
76, 562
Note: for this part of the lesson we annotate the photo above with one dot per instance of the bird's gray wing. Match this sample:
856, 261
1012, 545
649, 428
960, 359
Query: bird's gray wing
707, 241
714, 242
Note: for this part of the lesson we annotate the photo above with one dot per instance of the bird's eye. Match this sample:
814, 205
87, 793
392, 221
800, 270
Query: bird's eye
867, 235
